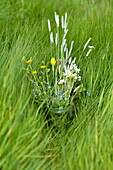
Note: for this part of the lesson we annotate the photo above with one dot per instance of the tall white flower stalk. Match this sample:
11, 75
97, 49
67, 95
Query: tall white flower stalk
56, 39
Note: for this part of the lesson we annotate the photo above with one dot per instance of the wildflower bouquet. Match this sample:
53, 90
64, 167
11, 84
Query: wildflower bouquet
57, 82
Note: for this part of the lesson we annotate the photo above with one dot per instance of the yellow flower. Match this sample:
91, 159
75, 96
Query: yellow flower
34, 72
42, 66
28, 61
48, 69
23, 58
53, 61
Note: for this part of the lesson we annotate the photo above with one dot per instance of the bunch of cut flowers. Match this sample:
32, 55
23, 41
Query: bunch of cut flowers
57, 82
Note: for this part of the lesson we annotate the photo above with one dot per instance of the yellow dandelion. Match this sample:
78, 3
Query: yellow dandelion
23, 58
53, 61
34, 72
28, 61
42, 66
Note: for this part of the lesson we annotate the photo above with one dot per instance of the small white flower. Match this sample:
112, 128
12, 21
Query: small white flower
74, 75
73, 67
77, 70
79, 78
68, 73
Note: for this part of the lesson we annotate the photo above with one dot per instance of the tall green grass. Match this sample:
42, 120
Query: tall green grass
26, 140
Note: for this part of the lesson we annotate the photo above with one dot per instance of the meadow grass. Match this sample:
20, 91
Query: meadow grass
26, 140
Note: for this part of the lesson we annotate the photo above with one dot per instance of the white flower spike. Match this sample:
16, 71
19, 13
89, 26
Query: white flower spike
57, 19
87, 43
88, 52
49, 25
51, 37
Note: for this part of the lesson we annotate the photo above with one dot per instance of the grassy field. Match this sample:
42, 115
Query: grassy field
26, 142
